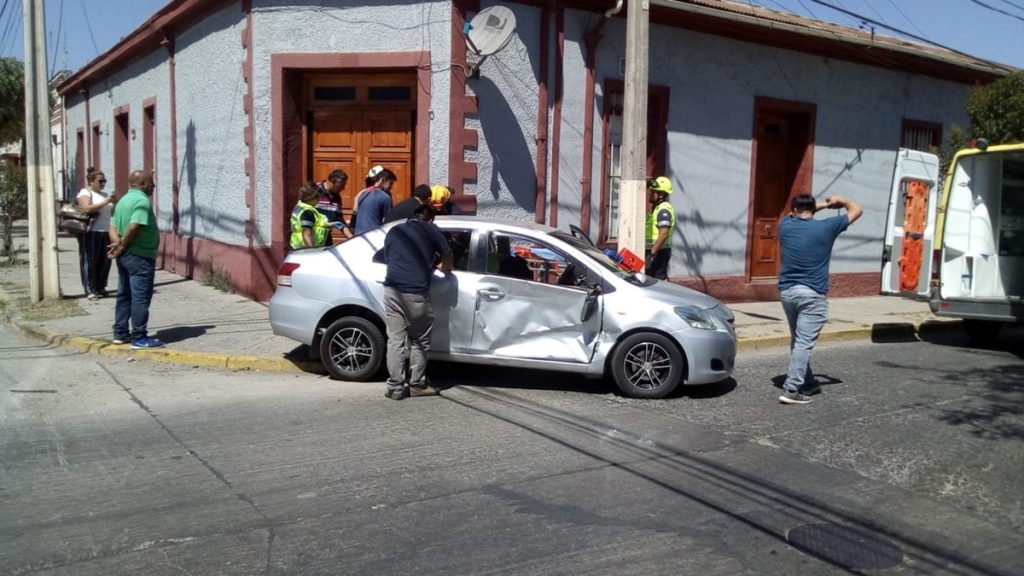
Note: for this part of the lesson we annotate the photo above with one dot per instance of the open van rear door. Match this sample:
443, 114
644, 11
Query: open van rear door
910, 225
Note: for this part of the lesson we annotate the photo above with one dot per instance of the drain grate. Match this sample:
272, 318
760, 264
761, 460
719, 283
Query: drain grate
844, 546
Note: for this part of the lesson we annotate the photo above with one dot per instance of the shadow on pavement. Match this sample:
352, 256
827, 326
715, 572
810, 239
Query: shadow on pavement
1010, 339
446, 375
179, 333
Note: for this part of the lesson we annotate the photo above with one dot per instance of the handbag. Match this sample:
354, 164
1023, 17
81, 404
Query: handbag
73, 220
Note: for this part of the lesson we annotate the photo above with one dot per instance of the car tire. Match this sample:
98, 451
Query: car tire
647, 365
982, 332
352, 349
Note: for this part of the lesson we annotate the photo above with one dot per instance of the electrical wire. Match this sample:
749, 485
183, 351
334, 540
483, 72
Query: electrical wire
1014, 4
56, 46
88, 25
905, 17
999, 10
7, 43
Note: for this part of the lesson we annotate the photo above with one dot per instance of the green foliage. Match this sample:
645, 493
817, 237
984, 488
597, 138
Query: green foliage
12, 100
13, 203
996, 112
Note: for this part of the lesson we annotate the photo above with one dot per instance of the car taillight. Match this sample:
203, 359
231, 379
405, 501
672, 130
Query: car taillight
284, 273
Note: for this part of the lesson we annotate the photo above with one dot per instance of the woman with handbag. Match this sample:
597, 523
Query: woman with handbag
92, 245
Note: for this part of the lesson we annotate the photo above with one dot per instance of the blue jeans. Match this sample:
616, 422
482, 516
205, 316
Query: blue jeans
807, 312
134, 293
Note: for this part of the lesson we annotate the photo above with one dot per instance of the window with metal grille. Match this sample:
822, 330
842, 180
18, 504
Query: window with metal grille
921, 135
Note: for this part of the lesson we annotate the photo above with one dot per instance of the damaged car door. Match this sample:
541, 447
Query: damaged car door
532, 303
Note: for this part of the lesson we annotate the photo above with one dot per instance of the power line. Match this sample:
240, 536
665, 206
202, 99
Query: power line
893, 28
56, 47
905, 17
1015, 5
10, 28
88, 25
999, 10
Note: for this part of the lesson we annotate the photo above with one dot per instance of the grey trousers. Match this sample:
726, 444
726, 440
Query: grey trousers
409, 319
807, 312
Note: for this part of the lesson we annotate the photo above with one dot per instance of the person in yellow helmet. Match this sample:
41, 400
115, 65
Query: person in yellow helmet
661, 221
440, 199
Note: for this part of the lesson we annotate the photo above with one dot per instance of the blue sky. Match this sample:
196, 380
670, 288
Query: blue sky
80, 30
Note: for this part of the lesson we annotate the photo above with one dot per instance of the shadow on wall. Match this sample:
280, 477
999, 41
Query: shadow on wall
189, 169
512, 162
713, 234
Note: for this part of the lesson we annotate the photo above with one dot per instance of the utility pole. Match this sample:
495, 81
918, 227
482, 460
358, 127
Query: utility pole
44, 279
633, 186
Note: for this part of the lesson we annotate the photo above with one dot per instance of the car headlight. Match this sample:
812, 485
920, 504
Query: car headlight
697, 318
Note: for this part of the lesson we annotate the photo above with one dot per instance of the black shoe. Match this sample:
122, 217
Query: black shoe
794, 398
425, 390
396, 393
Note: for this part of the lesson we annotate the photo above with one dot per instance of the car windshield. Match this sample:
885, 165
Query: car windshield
600, 257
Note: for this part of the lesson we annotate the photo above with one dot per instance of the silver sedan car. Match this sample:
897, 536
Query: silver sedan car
521, 295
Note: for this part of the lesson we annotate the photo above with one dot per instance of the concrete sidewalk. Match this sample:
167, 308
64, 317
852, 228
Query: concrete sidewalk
203, 326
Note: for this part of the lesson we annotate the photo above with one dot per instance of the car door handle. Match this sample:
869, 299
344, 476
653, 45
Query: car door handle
491, 294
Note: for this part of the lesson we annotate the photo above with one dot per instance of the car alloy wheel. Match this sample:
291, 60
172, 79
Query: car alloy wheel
647, 365
352, 349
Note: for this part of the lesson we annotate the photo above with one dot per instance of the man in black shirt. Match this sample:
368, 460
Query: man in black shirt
410, 251
407, 208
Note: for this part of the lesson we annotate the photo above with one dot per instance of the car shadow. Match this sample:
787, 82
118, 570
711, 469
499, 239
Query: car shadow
444, 375
704, 391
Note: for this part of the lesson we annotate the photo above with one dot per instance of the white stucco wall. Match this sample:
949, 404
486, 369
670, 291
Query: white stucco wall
130, 86
713, 84
506, 91
211, 125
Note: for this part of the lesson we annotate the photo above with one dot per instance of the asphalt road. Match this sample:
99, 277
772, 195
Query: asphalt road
908, 462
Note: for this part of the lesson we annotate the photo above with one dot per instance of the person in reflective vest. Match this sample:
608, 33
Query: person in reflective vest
661, 221
310, 228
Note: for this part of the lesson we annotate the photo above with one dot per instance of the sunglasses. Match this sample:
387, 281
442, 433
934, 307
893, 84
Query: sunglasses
102, 181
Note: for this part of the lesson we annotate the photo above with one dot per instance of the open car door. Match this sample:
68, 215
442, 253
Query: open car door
578, 232
910, 224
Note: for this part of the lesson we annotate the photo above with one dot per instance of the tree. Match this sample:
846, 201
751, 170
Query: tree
12, 100
996, 112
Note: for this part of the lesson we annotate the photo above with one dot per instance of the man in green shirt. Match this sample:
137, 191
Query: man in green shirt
134, 239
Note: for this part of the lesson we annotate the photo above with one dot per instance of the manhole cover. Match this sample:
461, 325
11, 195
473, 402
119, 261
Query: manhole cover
845, 546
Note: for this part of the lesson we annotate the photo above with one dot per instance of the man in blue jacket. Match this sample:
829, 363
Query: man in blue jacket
410, 251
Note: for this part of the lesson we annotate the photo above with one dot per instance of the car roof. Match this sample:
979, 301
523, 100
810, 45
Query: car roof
486, 223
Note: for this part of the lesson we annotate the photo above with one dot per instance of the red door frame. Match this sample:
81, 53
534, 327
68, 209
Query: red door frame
805, 173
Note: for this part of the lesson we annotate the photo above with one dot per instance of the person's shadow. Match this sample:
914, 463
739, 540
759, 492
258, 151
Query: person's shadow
179, 333
818, 379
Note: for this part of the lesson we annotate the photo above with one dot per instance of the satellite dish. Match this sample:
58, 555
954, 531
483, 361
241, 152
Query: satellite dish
490, 30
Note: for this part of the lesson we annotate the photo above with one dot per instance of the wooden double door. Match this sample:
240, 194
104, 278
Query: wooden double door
355, 140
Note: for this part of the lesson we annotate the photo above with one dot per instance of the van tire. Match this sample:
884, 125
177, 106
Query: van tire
982, 331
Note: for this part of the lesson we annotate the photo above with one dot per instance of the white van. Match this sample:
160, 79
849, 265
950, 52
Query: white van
964, 252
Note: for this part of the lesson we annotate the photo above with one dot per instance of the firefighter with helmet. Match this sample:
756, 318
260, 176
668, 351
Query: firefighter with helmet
661, 221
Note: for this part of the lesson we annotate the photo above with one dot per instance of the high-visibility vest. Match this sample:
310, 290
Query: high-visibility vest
652, 221
321, 228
